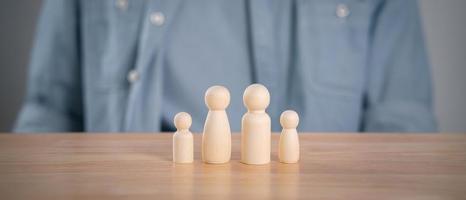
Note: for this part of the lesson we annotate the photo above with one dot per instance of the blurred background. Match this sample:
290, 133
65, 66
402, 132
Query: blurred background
444, 28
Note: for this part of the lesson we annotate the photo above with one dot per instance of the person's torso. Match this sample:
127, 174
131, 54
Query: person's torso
144, 61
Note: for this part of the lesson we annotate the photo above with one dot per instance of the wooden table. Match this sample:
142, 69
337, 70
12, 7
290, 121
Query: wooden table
138, 166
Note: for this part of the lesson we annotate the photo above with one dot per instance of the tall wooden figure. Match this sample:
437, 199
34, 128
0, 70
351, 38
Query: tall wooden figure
216, 138
183, 151
256, 126
288, 147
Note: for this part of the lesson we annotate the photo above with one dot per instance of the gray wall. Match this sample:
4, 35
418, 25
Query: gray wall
444, 24
17, 25
445, 29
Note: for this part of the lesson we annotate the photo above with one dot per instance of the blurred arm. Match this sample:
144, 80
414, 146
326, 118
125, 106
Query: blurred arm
399, 96
54, 98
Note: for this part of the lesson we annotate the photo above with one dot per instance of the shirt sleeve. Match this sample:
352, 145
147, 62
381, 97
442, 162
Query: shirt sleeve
53, 101
399, 93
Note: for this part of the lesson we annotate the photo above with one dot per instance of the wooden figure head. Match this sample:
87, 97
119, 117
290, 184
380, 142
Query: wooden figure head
182, 121
217, 98
289, 119
256, 97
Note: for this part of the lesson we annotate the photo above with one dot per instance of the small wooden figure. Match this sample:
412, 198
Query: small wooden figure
216, 138
183, 151
288, 147
256, 126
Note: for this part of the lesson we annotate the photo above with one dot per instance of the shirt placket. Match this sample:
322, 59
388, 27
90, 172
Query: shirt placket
144, 102
264, 49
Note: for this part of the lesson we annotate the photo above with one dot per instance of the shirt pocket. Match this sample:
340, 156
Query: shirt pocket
334, 40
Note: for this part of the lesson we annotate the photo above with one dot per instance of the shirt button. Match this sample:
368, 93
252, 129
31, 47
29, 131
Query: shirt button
133, 76
342, 11
157, 18
122, 4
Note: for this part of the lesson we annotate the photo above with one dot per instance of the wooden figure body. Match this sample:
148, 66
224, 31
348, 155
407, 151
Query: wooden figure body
183, 151
216, 137
256, 126
288, 146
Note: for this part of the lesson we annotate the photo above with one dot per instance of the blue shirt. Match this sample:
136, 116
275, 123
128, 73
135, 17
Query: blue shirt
131, 65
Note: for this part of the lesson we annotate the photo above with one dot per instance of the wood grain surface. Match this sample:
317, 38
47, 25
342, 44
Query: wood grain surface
139, 166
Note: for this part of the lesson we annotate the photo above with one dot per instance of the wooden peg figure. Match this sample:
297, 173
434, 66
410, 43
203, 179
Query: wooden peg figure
183, 151
216, 137
288, 147
256, 126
